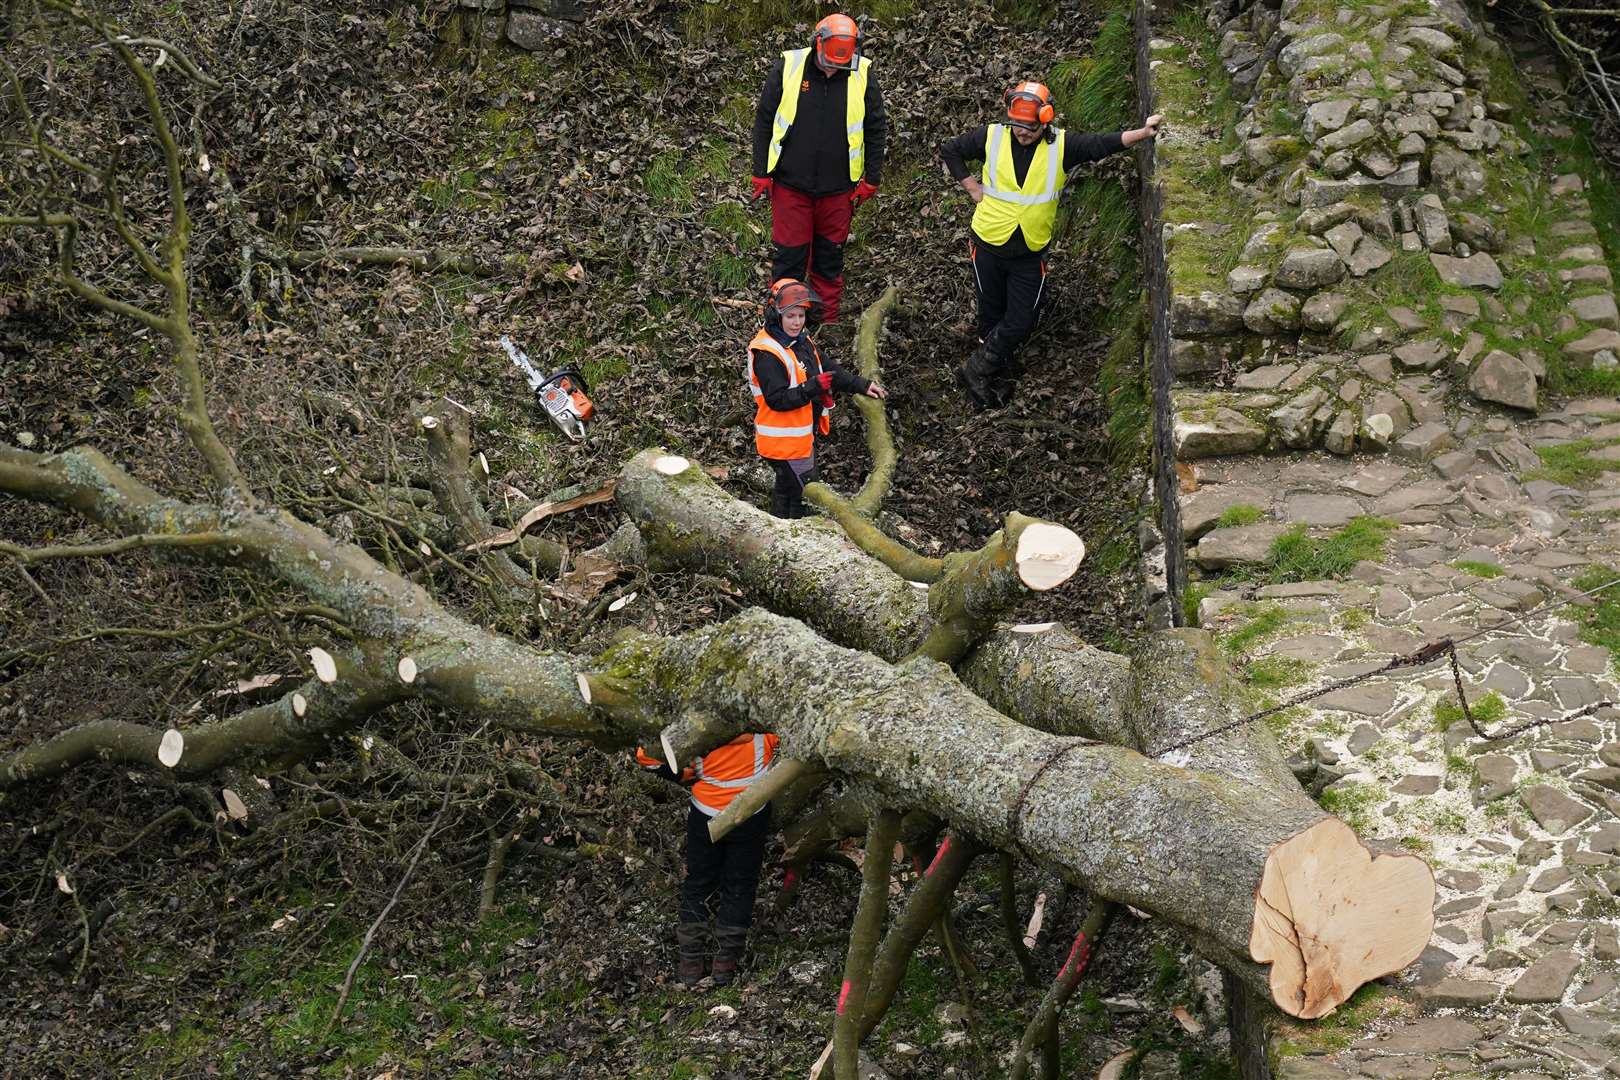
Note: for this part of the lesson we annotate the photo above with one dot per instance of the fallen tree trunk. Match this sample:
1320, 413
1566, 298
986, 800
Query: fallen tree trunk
1187, 847
810, 570
1314, 937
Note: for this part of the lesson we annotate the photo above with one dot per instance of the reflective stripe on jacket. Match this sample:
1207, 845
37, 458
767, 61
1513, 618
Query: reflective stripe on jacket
793, 62
724, 771
1008, 205
780, 436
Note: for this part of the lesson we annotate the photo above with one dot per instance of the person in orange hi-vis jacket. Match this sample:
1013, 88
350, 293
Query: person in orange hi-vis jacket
727, 870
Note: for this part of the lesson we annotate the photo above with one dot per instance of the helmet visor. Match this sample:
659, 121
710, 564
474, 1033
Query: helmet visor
795, 294
1024, 111
837, 51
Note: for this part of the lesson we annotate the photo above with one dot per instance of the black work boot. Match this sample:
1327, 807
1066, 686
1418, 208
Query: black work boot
732, 941
977, 377
690, 940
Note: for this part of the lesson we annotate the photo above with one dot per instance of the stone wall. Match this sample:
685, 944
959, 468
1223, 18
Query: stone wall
1350, 230
1161, 376
527, 24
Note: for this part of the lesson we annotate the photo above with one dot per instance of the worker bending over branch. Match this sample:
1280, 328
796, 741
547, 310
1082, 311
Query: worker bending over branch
1027, 161
819, 135
726, 870
793, 387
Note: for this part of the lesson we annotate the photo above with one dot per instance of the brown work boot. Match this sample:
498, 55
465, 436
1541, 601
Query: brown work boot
733, 940
689, 940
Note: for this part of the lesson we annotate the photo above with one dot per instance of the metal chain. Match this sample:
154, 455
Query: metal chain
1429, 653
1015, 811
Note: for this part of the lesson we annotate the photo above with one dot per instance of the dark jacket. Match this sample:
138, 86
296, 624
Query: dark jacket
773, 377
1079, 147
815, 154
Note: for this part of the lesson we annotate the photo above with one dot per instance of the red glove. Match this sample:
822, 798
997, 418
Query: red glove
762, 186
824, 380
862, 192
826, 401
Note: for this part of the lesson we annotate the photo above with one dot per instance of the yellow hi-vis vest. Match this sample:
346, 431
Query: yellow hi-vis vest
780, 436
793, 62
1007, 205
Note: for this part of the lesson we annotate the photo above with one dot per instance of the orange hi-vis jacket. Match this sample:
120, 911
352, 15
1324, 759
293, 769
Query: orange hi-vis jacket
724, 771
782, 436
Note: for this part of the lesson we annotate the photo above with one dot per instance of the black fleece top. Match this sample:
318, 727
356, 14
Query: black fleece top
773, 376
815, 153
1079, 147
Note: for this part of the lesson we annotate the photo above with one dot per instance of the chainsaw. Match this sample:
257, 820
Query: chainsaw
563, 395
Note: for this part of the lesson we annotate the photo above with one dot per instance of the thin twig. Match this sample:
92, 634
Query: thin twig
399, 889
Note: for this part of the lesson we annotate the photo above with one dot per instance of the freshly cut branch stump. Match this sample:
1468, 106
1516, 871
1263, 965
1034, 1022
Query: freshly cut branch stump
170, 748
325, 667
1048, 555
670, 465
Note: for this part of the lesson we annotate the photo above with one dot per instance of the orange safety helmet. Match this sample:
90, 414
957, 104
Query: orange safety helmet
838, 42
788, 293
1029, 105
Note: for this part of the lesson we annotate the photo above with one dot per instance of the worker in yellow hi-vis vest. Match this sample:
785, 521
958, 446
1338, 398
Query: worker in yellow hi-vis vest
819, 136
1026, 163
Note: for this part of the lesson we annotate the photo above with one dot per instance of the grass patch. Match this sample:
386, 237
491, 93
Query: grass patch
1274, 672
1600, 620
1191, 597
1571, 464
1486, 710
1240, 514
1478, 569
1352, 802
1266, 621
1296, 556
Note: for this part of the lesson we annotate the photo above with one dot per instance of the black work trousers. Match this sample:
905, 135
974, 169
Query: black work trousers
787, 494
727, 869
1009, 291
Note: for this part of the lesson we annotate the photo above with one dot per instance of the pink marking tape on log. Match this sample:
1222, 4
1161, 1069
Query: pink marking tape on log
944, 845
843, 997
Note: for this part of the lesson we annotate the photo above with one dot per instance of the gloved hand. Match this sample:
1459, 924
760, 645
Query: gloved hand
862, 192
824, 380
762, 186
827, 401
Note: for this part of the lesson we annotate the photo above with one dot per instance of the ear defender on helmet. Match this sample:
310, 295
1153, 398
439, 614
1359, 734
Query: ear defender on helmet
1029, 104
838, 42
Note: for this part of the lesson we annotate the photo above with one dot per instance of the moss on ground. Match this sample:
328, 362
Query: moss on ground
1486, 710
1478, 569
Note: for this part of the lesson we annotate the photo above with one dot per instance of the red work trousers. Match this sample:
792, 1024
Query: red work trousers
809, 233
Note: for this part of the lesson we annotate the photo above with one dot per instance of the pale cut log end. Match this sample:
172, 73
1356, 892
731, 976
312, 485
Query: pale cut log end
170, 748
325, 667
483, 462
234, 806
430, 422
584, 687
300, 705
407, 670
669, 752
1033, 627
1330, 916
670, 465
1048, 555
